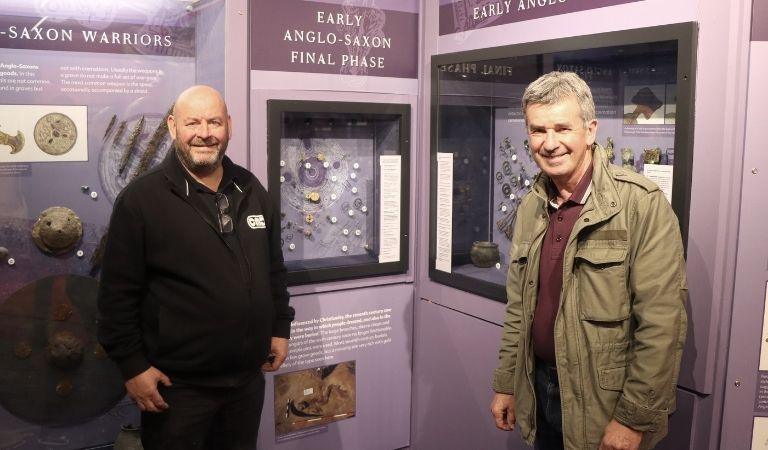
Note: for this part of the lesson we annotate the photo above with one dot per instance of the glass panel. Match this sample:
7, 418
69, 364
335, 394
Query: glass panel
333, 173
481, 123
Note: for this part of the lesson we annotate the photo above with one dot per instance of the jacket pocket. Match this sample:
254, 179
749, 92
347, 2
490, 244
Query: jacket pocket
611, 378
601, 276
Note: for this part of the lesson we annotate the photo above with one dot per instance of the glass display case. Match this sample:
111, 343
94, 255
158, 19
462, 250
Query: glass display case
339, 172
642, 84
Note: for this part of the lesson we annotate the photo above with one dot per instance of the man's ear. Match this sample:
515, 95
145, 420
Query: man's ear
171, 126
591, 132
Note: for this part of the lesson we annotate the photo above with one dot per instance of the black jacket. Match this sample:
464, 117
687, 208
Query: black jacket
172, 293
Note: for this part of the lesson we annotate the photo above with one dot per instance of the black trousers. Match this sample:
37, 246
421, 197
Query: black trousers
205, 418
549, 417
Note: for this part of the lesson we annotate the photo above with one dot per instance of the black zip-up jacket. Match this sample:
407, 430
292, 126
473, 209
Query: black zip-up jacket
172, 293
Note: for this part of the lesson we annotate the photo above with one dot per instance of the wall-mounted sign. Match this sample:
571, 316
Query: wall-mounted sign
328, 37
45, 33
464, 15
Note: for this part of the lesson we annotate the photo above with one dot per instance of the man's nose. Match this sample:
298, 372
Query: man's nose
203, 130
550, 140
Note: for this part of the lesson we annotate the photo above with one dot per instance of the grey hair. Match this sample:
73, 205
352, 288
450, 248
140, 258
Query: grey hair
555, 87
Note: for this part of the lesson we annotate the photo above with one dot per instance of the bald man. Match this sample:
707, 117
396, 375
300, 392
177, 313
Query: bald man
193, 301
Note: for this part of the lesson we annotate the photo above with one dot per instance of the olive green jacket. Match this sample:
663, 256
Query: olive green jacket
621, 323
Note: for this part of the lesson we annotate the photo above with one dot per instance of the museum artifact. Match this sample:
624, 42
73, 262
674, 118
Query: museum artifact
15, 142
609, 149
57, 230
651, 155
55, 133
153, 146
484, 253
118, 133
130, 147
53, 371
110, 126
628, 159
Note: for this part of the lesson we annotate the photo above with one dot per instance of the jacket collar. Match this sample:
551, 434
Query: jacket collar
177, 175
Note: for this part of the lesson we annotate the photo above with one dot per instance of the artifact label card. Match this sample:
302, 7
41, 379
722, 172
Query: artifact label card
760, 433
661, 174
444, 211
389, 225
43, 133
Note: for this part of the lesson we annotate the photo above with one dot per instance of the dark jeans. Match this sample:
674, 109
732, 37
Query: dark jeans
220, 418
549, 418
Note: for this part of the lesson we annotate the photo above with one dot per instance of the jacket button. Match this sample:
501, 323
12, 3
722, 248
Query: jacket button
586, 219
530, 283
613, 204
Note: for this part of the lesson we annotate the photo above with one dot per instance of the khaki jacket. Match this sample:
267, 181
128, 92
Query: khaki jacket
621, 324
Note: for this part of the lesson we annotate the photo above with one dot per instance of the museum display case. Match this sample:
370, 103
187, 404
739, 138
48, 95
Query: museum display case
339, 172
481, 165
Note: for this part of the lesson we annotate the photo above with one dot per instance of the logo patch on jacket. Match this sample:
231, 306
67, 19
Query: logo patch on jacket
256, 221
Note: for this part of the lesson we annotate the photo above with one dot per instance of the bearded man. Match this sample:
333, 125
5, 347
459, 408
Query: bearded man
193, 301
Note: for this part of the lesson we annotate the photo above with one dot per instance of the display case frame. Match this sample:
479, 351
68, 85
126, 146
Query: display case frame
399, 112
685, 36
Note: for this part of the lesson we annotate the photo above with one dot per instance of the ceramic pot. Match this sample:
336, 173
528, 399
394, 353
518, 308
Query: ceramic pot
484, 253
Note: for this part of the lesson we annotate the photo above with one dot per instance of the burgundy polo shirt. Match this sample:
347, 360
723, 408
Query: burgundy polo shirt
561, 221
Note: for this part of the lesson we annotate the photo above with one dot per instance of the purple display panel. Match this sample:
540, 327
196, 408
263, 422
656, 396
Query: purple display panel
464, 15
356, 38
760, 20
347, 381
127, 88
43, 33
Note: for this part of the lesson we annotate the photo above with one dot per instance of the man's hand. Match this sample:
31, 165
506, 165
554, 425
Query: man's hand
143, 390
503, 410
278, 351
620, 437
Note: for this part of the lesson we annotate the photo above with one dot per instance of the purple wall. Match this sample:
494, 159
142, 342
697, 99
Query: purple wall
742, 381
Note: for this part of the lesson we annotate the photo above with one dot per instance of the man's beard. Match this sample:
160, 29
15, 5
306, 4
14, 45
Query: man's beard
201, 166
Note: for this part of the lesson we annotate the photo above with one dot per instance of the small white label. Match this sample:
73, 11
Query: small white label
309, 391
